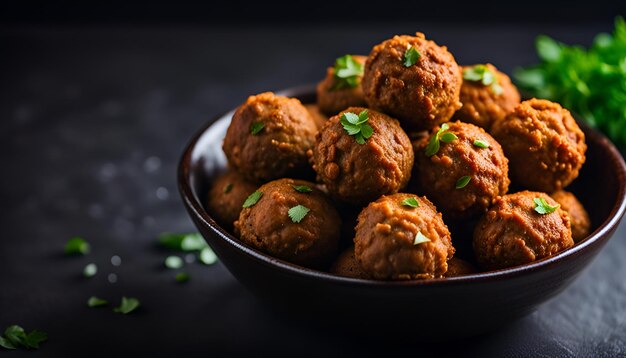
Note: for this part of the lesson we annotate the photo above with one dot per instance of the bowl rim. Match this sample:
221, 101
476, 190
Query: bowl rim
598, 237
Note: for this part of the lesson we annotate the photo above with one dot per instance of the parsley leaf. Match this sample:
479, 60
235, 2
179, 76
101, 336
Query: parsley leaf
420, 238
252, 199
412, 202
228, 188
347, 72
182, 242
4, 342
15, 337
77, 246
207, 256
90, 270
128, 305
256, 128
35, 338
482, 73
182, 277
411, 56
298, 212
94, 301
433, 144
357, 125
302, 188
542, 207
463, 181
481, 143
173, 262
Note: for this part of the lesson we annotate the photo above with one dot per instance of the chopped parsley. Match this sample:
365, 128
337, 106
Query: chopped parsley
252, 199
420, 238
228, 188
412, 202
15, 337
298, 212
482, 74
173, 262
94, 301
433, 145
481, 143
463, 181
357, 125
302, 188
411, 56
127, 305
347, 72
207, 256
77, 246
182, 242
256, 128
542, 206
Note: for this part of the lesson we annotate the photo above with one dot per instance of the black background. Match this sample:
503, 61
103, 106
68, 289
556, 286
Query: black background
97, 101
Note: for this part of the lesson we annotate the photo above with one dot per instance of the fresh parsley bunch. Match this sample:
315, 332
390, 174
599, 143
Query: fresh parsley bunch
590, 82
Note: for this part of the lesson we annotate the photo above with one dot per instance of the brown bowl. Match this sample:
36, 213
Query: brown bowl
458, 306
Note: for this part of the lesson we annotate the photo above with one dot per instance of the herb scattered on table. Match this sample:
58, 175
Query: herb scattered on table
207, 256
357, 125
590, 82
173, 262
182, 242
77, 246
15, 337
90, 270
127, 305
542, 206
94, 301
298, 212
347, 72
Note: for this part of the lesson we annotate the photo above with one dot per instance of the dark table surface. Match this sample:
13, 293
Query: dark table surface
92, 123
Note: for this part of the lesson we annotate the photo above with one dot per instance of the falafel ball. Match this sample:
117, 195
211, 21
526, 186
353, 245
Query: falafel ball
347, 265
543, 143
227, 194
398, 241
513, 233
581, 224
487, 95
358, 170
341, 88
414, 80
268, 137
291, 220
464, 176
318, 117
458, 267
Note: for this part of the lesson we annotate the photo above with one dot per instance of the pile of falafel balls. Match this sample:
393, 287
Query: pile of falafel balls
402, 170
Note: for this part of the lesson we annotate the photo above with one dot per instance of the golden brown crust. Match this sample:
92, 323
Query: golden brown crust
420, 96
359, 173
332, 101
437, 175
347, 265
279, 149
543, 143
458, 267
581, 224
482, 105
267, 226
227, 194
512, 233
318, 117
385, 234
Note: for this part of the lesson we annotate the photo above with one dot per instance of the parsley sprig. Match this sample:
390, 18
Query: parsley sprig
15, 337
357, 125
298, 212
542, 207
347, 72
433, 145
411, 55
411, 202
482, 74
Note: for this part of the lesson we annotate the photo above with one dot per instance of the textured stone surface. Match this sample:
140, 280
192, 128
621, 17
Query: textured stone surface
92, 123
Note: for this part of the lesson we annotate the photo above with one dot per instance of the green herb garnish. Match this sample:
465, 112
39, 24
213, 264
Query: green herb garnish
482, 74
542, 206
433, 145
481, 143
228, 188
182, 242
128, 305
412, 202
463, 181
173, 262
589, 82
347, 72
255, 128
356, 125
302, 188
252, 199
420, 238
77, 246
298, 212
15, 337
90, 270
182, 277
94, 301
411, 56
207, 256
